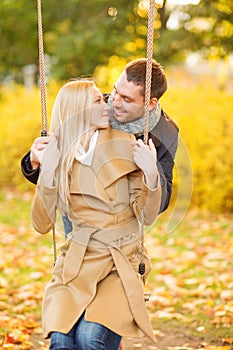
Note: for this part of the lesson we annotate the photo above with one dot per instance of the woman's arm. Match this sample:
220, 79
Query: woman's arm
141, 197
146, 159
145, 185
43, 210
30, 163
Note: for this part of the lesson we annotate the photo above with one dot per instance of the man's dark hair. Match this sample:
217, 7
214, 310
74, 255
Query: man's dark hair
136, 72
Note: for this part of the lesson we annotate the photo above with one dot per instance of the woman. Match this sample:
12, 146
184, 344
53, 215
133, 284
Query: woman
93, 173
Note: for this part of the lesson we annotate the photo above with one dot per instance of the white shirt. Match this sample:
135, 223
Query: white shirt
86, 157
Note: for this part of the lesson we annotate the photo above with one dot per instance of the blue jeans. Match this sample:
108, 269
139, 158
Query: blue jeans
86, 336
67, 224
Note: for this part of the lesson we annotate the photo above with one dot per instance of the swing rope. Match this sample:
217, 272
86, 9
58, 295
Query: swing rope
150, 37
44, 117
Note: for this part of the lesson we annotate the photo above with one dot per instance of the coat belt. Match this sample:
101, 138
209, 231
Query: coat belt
107, 238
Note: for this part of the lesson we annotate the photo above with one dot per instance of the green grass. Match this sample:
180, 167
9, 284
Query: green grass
14, 207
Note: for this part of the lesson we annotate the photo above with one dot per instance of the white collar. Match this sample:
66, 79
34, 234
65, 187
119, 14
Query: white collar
86, 157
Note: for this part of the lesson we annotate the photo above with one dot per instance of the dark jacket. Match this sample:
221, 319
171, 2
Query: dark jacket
165, 138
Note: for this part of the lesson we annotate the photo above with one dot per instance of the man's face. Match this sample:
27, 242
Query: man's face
128, 101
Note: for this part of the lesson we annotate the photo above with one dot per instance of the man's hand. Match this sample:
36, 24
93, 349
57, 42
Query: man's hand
145, 156
37, 151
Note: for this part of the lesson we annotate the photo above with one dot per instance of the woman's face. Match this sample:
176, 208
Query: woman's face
100, 110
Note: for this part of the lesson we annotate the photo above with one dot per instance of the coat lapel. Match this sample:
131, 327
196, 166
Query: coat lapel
113, 158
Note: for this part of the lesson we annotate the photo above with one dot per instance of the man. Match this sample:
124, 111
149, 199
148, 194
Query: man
128, 104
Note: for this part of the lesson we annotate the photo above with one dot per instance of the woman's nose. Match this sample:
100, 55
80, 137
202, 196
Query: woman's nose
106, 107
116, 97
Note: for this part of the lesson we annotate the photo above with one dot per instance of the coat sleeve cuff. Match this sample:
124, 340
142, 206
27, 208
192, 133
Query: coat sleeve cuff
151, 202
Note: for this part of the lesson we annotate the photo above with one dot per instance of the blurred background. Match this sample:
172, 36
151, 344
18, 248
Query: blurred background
191, 282
193, 41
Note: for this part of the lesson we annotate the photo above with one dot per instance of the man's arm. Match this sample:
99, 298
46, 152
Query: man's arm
165, 138
27, 171
165, 167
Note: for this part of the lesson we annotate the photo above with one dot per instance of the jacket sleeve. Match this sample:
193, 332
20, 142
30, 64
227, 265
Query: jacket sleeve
43, 209
28, 173
166, 148
165, 168
143, 197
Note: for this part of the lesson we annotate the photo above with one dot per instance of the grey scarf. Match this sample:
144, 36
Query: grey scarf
136, 126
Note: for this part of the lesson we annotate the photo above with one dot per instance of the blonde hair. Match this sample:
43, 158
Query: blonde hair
70, 120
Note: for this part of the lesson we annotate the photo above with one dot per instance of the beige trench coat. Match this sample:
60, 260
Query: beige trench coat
96, 270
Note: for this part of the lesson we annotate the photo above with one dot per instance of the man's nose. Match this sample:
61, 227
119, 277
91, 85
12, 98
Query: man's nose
116, 97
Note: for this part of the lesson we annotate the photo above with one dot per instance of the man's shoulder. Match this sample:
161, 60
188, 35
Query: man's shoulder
166, 128
165, 132
168, 119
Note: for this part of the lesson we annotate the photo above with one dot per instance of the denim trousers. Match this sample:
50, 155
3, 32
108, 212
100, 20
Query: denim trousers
86, 336
67, 224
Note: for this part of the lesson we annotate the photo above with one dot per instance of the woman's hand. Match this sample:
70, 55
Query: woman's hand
49, 161
37, 150
145, 156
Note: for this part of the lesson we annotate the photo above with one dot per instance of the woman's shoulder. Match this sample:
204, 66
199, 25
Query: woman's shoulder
114, 134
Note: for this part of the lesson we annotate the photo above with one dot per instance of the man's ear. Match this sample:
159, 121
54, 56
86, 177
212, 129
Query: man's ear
153, 103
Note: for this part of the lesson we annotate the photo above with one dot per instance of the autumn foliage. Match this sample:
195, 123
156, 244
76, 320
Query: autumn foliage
204, 116
191, 283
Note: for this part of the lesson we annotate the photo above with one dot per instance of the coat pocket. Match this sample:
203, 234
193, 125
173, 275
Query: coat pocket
72, 261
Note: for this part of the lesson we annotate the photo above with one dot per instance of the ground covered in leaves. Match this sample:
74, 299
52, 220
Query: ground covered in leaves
191, 284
